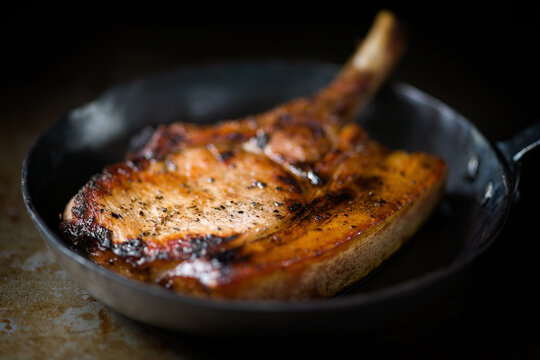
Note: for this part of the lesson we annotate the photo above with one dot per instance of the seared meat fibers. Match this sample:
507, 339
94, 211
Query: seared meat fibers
297, 202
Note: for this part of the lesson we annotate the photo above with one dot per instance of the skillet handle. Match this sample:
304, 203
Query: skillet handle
513, 150
520, 144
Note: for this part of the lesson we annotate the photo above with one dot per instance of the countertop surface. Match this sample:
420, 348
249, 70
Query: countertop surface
45, 314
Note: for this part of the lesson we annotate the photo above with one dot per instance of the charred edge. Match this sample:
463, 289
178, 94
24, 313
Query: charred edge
94, 183
79, 206
115, 174
126, 168
224, 257
164, 141
103, 236
137, 164
94, 187
86, 238
172, 138
223, 260
131, 248
205, 245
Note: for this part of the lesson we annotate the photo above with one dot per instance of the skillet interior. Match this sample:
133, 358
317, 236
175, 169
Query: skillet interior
87, 138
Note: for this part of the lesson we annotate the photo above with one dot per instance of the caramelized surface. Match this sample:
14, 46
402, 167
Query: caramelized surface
296, 202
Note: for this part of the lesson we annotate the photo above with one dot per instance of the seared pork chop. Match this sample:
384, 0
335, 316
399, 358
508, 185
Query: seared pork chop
294, 203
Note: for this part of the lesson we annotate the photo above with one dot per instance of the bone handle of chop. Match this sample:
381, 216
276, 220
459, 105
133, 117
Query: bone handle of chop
368, 67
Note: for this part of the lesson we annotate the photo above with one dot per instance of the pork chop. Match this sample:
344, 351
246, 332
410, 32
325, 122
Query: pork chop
294, 203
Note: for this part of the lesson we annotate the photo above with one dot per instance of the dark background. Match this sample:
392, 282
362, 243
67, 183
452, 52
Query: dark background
481, 60
474, 57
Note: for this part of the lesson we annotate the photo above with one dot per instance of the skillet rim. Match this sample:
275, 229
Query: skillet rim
60, 248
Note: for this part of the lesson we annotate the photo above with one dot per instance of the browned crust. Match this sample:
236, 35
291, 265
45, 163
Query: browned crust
395, 190
346, 256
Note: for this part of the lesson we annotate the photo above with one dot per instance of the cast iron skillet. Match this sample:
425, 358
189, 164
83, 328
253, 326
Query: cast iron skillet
482, 183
